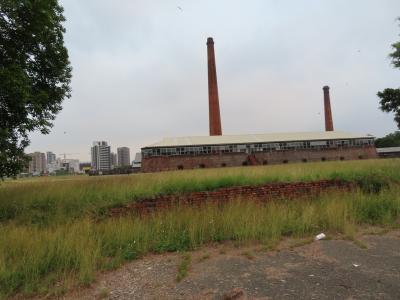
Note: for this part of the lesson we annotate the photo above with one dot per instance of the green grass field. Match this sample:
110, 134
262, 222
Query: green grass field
54, 234
50, 200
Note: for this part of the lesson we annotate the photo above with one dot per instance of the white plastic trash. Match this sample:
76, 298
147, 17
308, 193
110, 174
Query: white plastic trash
320, 236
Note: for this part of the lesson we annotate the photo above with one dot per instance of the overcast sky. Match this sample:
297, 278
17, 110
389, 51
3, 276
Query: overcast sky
140, 69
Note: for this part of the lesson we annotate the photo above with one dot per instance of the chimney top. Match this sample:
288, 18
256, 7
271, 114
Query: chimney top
210, 40
327, 108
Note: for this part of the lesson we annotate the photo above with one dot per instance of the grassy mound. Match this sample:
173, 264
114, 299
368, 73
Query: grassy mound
38, 260
46, 201
50, 242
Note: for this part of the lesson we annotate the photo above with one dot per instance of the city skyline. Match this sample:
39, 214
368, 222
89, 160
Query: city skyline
54, 156
273, 59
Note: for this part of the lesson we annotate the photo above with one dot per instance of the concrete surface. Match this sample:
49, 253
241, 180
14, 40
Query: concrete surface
326, 269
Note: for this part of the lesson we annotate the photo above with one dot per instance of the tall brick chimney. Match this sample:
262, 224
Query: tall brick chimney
213, 102
328, 111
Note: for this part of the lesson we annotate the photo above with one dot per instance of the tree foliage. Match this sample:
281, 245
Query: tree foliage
35, 74
390, 98
390, 140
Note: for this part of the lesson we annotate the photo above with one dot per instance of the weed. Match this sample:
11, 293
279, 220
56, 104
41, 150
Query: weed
356, 241
204, 257
183, 267
300, 242
31, 255
55, 200
360, 244
271, 244
49, 237
350, 232
376, 231
248, 255
104, 293
372, 183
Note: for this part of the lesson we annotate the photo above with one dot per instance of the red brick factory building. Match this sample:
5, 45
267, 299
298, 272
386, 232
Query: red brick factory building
217, 150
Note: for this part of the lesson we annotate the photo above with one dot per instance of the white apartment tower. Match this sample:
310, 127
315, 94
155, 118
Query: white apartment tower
37, 164
124, 156
51, 157
101, 156
113, 160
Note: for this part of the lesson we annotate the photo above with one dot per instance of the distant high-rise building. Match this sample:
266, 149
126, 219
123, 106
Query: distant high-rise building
37, 165
113, 160
51, 157
137, 163
101, 156
124, 156
69, 165
54, 166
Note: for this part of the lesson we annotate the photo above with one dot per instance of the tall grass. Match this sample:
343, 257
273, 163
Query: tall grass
46, 201
50, 240
36, 259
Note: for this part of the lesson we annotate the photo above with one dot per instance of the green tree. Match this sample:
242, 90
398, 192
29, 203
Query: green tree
35, 75
390, 98
390, 140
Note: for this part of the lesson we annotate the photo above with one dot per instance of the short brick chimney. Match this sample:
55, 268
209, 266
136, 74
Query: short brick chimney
328, 111
213, 101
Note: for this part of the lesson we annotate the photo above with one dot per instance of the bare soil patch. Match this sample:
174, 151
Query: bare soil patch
321, 270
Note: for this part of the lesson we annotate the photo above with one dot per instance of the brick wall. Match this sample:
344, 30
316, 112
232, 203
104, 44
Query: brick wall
166, 163
262, 193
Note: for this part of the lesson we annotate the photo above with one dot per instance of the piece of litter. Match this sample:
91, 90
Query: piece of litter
356, 265
311, 275
320, 236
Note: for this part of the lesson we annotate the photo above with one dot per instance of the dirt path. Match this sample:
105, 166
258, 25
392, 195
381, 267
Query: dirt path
325, 269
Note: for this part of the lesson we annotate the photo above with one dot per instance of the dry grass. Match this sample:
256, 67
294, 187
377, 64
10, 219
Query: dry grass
183, 267
50, 200
35, 259
50, 241
204, 257
248, 255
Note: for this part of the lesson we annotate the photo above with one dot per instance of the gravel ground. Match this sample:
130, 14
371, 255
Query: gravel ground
326, 269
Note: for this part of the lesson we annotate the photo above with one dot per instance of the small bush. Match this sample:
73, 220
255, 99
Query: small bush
372, 183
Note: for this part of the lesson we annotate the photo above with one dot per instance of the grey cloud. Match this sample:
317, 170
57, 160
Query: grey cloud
139, 68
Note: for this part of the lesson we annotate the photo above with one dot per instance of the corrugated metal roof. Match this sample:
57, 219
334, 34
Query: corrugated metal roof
388, 149
255, 138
